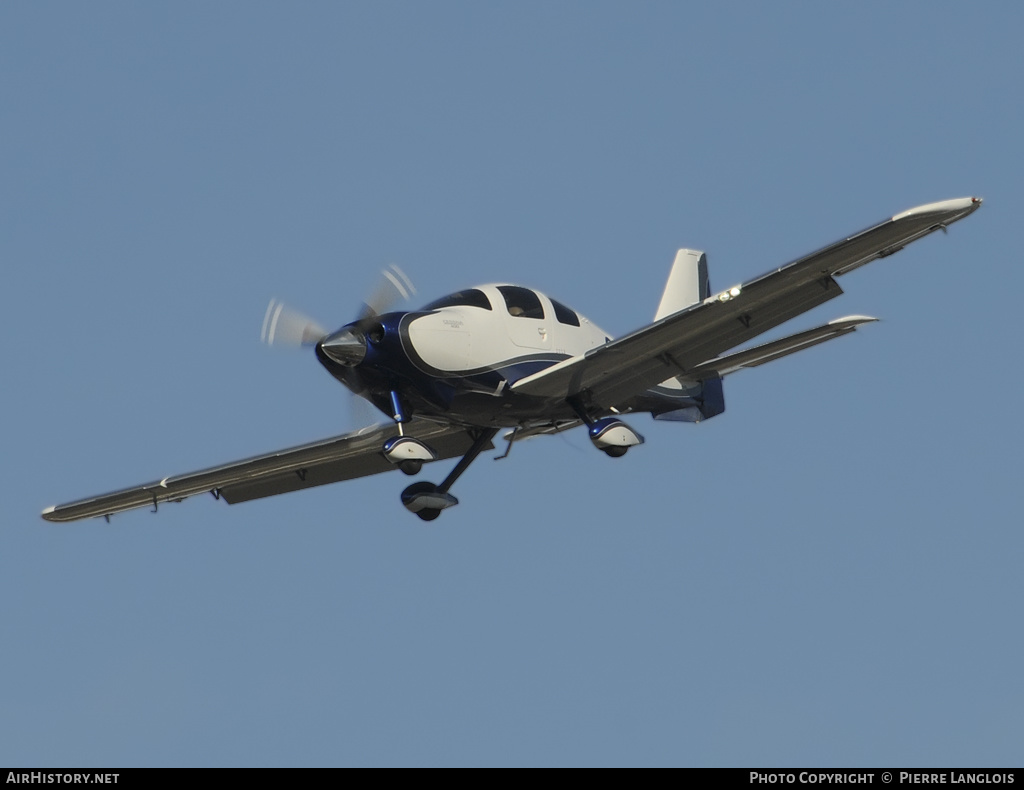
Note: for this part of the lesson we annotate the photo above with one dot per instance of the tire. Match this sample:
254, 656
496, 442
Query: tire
411, 467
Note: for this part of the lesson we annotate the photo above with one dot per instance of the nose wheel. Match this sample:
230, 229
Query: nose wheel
407, 453
411, 467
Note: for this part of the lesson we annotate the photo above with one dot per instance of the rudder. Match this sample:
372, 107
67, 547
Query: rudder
687, 284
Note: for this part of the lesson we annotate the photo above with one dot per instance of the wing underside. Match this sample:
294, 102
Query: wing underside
690, 339
345, 457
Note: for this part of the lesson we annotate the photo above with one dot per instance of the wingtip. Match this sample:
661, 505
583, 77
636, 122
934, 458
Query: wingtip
856, 320
961, 206
48, 513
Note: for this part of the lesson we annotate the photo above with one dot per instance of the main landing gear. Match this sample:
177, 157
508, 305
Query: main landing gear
613, 436
609, 434
427, 500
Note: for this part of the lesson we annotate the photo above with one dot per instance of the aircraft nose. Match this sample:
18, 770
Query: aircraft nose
346, 346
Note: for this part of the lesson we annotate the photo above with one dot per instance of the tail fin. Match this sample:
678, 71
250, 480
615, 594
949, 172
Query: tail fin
687, 283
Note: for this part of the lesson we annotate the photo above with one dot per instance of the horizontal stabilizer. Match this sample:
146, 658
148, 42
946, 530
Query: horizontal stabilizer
777, 349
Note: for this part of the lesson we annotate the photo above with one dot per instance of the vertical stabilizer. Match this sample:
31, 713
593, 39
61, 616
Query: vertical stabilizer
687, 283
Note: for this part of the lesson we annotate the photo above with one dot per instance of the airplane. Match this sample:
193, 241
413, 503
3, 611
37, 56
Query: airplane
452, 374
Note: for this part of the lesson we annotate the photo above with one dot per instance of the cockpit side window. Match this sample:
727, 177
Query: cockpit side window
521, 302
564, 314
471, 297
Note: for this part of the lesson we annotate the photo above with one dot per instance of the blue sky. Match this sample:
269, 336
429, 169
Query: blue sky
827, 574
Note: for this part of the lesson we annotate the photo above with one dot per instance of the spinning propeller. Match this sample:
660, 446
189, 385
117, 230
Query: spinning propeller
285, 327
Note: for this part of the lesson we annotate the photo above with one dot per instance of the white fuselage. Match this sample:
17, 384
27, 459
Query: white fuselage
464, 338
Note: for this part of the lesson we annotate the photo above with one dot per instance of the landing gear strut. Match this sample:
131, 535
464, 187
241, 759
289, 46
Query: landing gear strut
427, 500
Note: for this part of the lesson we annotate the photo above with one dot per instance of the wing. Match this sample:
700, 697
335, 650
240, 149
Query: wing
677, 344
343, 457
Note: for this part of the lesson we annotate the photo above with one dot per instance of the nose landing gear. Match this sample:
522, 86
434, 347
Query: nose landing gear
426, 501
408, 453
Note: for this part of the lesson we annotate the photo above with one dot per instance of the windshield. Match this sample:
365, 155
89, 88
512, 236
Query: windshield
469, 298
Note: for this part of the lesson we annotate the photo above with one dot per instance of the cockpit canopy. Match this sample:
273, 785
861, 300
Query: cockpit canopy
471, 297
519, 302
